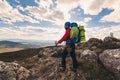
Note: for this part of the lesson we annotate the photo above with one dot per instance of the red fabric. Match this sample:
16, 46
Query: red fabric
65, 37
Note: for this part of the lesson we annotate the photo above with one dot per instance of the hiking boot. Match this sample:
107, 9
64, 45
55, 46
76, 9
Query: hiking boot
73, 69
62, 68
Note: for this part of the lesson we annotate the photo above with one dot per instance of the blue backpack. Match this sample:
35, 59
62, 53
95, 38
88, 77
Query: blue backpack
74, 34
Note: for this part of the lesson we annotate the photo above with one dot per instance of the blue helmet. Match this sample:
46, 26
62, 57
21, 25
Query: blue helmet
74, 24
67, 24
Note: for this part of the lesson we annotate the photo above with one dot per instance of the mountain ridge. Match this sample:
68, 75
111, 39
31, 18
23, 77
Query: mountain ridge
97, 60
10, 44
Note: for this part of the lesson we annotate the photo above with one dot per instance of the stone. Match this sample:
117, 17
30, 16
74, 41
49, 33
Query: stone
111, 60
12, 71
89, 56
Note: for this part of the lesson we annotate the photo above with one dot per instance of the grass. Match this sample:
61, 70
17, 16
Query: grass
23, 57
43, 68
27, 63
41, 55
19, 55
4, 50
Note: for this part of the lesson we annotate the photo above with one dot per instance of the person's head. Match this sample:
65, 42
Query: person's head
67, 25
74, 24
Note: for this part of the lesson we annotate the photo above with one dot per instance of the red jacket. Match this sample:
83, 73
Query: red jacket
66, 36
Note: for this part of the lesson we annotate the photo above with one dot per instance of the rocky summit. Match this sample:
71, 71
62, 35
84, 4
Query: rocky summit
97, 60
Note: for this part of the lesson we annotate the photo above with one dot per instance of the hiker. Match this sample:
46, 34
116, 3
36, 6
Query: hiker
69, 48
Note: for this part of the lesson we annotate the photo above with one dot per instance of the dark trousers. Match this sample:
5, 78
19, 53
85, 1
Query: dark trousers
70, 48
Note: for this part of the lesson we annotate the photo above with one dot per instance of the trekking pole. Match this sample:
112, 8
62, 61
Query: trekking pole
57, 62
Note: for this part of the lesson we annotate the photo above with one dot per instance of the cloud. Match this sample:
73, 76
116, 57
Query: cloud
87, 19
101, 32
44, 3
31, 32
65, 6
94, 7
43, 13
9, 15
113, 16
41, 33
7, 33
17, 1
84, 21
56, 12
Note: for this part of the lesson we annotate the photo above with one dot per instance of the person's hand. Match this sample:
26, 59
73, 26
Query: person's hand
56, 43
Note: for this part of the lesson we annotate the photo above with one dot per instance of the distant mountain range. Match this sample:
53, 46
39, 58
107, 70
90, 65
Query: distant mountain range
24, 43
10, 44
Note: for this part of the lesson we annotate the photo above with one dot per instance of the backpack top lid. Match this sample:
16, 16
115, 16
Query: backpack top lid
74, 24
67, 24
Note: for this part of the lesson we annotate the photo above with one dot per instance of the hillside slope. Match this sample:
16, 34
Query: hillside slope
97, 60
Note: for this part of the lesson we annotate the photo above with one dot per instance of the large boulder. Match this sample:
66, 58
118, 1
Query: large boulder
13, 71
99, 45
111, 43
89, 56
92, 42
111, 60
90, 63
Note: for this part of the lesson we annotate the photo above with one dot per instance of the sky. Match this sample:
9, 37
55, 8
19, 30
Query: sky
44, 19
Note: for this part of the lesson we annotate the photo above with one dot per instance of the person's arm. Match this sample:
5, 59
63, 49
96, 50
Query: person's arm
65, 37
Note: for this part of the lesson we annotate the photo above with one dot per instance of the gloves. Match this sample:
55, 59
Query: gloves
56, 43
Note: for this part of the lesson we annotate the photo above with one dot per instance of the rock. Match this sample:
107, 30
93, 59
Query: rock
94, 42
110, 39
51, 51
12, 71
111, 43
98, 50
111, 60
90, 63
89, 56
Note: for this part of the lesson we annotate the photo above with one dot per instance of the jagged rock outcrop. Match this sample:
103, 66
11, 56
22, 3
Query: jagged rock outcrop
93, 44
90, 66
13, 71
111, 60
89, 56
111, 43
90, 63
99, 45
97, 60
47, 68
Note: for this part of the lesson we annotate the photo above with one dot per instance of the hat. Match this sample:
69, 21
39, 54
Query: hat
67, 24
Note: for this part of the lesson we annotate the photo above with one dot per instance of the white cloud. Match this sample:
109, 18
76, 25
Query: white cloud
31, 32
87, 19
59, 14
46, 13
40, 33
8, 14
113, 16
91, 6
44, 3
84, 22
101, 32
94, 7
65, 6
43, 13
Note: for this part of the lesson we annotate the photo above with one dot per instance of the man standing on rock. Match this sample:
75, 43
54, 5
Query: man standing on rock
69, 48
